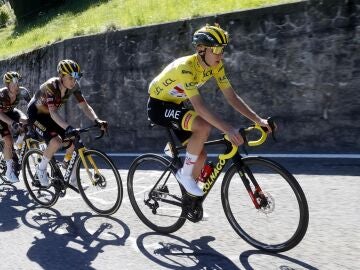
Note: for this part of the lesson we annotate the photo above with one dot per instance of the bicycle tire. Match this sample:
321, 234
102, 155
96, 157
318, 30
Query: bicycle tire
46, 197
2, 162
150, 167
99, 196
286, 231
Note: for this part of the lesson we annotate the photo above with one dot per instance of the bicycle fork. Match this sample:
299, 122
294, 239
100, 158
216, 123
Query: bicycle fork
256, 196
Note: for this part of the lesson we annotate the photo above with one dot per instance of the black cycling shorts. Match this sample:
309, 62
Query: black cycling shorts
171, 115
43, 124
4, 127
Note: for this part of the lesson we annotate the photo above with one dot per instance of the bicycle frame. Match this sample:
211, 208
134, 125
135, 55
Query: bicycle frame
77, 154
230, 153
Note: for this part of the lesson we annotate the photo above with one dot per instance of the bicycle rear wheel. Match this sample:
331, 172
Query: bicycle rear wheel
281, 221
100, 185
155, 194
44, 196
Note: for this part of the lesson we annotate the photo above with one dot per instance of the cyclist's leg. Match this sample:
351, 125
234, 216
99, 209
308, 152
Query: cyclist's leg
22, 118
200, 133
8, 147
52, 133
190, 129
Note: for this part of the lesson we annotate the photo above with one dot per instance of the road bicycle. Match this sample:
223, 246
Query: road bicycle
97, 179
262, 201
30, 141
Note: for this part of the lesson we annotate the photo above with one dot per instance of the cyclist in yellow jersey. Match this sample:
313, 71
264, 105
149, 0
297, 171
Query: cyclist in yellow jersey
178, 83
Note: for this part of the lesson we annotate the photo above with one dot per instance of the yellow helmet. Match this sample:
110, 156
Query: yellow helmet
10, 76
211, 36
69, 67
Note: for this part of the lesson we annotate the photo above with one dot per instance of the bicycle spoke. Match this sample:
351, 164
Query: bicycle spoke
99, 182
155, 194
281, 219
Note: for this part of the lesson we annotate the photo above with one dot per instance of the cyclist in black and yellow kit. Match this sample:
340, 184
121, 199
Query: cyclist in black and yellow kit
11, 118
45, 118
179, 82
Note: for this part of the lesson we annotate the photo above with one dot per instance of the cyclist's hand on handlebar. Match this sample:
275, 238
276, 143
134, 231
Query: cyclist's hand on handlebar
235, 137
16, 127
102, 124
268, 127
69, 131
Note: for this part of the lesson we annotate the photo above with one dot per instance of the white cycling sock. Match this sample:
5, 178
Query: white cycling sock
189, 163
43, 164
9, 165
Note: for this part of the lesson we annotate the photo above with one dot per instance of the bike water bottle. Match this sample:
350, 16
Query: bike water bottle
205, 173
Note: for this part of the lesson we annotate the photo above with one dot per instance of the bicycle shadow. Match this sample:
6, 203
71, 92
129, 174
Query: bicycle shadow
12, 202
285, 262
174, 252
71, 242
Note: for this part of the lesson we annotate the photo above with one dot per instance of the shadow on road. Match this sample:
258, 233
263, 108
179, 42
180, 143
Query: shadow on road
13, 204
71, 242
174, 252
287, 263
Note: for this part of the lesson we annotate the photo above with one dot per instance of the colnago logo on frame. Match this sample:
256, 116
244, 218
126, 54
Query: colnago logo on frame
217, 170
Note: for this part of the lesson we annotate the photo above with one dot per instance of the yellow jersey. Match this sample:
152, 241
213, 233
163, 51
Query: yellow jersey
181, 79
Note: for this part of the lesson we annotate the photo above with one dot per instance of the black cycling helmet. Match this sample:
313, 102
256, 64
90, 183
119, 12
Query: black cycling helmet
69, 67
10, 76
211, 36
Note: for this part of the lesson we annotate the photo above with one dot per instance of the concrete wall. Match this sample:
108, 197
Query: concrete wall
299, 62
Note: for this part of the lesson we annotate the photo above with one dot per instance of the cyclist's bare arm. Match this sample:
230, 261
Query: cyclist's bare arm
214, 120
88, 110
240, 105
56, 117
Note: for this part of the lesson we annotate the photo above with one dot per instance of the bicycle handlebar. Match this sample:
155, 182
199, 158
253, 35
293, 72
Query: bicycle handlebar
86, 129
262, 130
263, 133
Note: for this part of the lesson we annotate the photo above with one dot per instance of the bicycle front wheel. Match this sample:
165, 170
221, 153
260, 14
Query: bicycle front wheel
45, 196
155, 194
99, 182
282, 219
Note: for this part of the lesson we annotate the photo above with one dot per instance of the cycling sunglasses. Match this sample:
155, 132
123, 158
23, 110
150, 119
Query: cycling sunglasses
217, 50
15, 80
76, 75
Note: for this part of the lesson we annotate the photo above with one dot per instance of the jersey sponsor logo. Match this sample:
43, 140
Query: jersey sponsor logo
186, 72
187, 120
190, 84
39, 125
177, 91
223, 78
158, 90
171, 113
168, 81
208, 73
39, 131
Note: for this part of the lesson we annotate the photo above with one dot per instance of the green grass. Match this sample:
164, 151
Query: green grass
93, 16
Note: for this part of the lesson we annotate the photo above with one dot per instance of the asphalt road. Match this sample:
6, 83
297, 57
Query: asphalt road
70, 236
